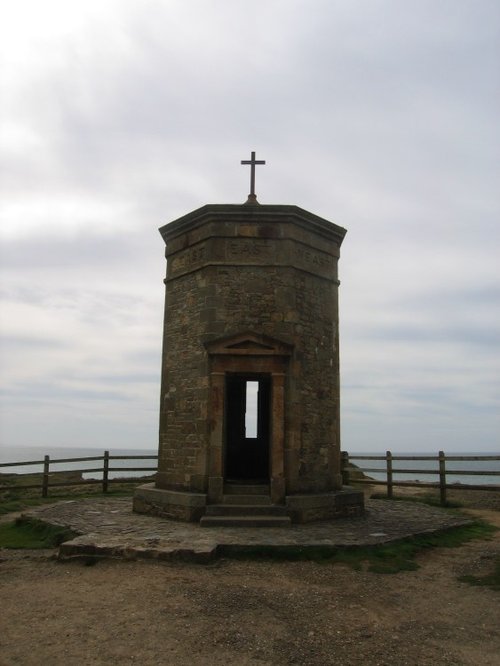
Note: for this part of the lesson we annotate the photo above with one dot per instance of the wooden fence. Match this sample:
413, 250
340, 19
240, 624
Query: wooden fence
350, 471
50, 480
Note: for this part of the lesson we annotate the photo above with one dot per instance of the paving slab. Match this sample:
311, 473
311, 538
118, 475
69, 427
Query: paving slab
109, 528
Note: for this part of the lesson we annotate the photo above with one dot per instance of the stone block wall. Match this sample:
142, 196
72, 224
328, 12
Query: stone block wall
271, 270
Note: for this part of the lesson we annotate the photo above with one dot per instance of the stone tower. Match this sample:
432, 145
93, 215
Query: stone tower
251, 302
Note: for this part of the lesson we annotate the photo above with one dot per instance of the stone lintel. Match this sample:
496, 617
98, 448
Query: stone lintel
249, 343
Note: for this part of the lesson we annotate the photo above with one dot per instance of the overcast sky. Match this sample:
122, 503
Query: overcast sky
379, 115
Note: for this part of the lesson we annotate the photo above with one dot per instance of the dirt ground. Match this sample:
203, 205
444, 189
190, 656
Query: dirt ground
250, 613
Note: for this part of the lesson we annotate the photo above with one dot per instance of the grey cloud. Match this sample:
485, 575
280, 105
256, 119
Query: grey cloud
379, 116
30, 340
418, 334
50, 392
81, 249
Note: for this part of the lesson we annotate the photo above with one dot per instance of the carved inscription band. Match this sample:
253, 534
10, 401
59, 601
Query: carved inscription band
220, 251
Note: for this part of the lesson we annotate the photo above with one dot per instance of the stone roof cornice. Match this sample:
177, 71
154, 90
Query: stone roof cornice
253, 214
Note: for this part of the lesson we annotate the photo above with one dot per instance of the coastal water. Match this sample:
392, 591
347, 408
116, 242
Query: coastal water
456, 470
121, 468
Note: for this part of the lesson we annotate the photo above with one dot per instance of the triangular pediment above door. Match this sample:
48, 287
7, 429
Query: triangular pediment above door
249, 344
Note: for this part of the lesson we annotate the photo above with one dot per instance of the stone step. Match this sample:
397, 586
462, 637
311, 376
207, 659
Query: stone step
246, 489
245, 510
263, 500
245, 521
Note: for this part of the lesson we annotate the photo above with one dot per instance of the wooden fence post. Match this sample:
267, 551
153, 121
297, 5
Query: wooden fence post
388, 458
105, 472
344, 468
45, 477
442, 478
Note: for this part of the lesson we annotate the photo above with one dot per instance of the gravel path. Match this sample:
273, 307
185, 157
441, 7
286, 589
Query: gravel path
248, 613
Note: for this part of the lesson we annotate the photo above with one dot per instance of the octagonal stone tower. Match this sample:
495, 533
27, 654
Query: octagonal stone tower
251, 305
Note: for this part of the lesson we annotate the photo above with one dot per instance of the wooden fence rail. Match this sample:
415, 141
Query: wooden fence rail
49, 479
440, 470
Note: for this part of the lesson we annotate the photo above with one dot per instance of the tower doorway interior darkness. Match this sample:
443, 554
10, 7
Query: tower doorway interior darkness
247, 408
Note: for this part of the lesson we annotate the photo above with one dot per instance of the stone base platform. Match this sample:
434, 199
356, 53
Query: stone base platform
109, 528
305, 508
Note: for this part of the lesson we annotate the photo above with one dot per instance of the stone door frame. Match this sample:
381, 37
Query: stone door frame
247, 353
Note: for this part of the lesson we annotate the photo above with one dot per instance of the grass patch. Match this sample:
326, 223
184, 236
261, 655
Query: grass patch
430, 499
386, 559
29, 534
491, 580
400, 555
32, 535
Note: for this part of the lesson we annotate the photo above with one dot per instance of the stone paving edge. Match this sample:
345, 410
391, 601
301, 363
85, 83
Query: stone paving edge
188, 542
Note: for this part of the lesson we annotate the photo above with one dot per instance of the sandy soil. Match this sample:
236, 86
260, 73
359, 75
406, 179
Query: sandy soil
242, 613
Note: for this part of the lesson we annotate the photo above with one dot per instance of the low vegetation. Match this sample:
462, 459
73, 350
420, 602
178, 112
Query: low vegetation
32, 535
431, 498
385, 558
491, 580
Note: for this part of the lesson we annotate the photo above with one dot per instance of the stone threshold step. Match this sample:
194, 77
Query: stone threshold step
263, 500
245, 510
246, 488
245, 521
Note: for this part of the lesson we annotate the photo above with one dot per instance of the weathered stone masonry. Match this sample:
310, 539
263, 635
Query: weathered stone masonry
251, 290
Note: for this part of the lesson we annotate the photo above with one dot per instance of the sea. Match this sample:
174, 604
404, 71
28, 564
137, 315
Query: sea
35, 454
456, 470
121, 468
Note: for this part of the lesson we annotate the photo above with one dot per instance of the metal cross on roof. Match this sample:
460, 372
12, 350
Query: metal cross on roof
252, 198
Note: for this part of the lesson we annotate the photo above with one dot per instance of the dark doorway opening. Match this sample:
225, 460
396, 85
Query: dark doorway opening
247, 409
